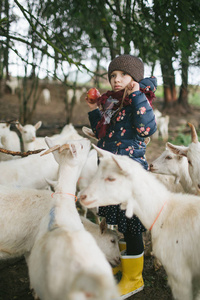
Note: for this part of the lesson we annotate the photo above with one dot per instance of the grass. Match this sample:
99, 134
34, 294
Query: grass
182, 138
194, 95
193, 98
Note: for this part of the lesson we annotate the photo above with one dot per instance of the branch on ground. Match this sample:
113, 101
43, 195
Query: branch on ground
18, 153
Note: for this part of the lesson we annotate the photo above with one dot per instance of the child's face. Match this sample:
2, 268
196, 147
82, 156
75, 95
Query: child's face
119, 80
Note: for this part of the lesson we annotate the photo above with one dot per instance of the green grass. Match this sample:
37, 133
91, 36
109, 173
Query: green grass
193, 98
182, 138
159, 92
194, 95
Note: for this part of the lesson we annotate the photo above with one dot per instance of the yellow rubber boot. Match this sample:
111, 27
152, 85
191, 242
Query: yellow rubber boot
122, 246
132, 280
117, 269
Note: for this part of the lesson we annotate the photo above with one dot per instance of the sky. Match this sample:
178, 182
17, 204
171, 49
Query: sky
17, 67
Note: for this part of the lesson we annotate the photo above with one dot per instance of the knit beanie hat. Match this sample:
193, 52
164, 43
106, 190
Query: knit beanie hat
129, 64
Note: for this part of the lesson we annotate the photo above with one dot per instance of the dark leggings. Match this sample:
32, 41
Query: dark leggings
134, 244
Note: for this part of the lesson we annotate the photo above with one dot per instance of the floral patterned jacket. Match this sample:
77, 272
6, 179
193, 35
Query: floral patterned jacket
132, 125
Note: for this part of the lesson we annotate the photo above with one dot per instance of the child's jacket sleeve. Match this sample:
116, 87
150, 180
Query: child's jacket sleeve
94, 117
143, 118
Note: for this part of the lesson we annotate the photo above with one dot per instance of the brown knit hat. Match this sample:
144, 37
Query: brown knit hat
129, 64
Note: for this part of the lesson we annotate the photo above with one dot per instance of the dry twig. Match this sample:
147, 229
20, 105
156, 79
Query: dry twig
18, 153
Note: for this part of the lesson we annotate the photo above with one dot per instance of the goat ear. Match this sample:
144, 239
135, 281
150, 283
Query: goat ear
193, 133
179, 150
48, 141
87, 131
117, 163
100, 151
103, 226
72, 148
120, 165
19, 127
38, 125
51, 183
51, 146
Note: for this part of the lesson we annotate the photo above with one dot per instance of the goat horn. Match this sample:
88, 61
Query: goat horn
56, 147
63, 147
193, 133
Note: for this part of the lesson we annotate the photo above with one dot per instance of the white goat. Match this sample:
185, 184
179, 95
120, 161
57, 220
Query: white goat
30, 171
68, 132
9, 140
46, 95
174, 219
162, 125
77, 94
91, 166
169, 163
169, 182
88, 171
30, 141
13, 84
106, 239
192, 152
21, 212
65, 261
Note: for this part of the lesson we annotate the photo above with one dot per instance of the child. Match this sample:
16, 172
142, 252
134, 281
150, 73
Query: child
125, 119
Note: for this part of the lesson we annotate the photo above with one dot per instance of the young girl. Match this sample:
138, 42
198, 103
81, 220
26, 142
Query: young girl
124, 120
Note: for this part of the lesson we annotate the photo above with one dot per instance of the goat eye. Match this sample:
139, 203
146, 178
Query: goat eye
110, 179
189, 162
113, 241
168, 157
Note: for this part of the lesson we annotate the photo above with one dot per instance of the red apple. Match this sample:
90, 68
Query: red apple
93, 94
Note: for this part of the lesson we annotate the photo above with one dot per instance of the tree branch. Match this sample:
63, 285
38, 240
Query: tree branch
18, 153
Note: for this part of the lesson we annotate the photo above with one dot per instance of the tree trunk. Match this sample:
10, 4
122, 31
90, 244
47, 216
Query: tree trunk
183, 93
170, 98
6, 53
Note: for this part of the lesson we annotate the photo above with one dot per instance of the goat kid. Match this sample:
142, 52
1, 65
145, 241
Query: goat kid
106, 239
172, 217
30, 141
65, 261
192, 152
169, 163
9, 140
46, 96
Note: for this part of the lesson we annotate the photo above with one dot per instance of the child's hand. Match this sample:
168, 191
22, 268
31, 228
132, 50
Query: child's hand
132, 87
92, 106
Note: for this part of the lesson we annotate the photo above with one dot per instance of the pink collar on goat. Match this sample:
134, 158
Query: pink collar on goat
65, 193
157, 216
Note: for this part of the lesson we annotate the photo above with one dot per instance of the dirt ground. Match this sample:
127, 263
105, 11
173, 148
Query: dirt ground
14, 281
